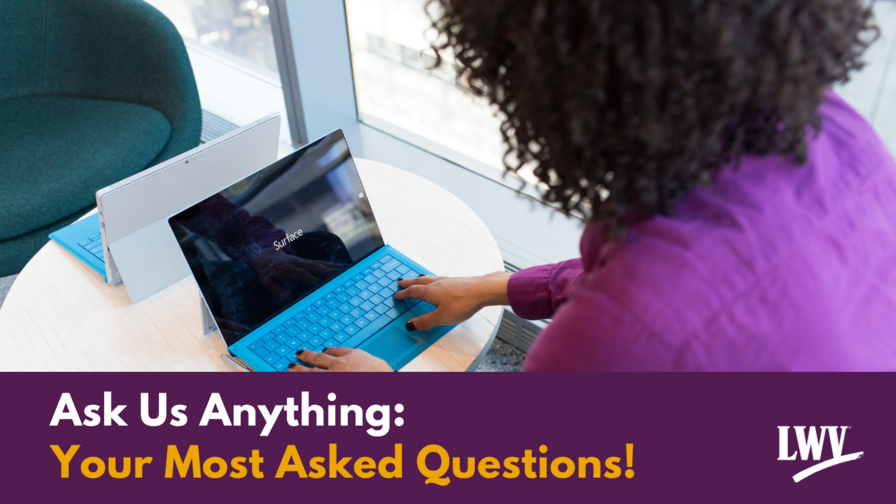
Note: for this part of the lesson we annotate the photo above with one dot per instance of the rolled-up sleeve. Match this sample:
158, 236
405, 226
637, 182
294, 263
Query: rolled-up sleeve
536, 293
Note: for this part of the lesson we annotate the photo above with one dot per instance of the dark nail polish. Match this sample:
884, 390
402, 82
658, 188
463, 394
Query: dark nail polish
411, 326
422, 274
299, 352
292, 365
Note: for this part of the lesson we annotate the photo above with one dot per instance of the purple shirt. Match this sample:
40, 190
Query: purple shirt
774, 268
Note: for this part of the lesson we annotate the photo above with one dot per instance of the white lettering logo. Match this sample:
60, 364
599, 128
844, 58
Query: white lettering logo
811, 444
289, 237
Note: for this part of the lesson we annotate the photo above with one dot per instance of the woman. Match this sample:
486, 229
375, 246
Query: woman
741, 215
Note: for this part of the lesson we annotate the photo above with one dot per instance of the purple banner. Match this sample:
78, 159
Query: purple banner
484, 437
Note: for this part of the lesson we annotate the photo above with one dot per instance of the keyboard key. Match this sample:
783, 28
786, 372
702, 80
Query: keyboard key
261, 352
339, 289
315, 342
328, 296
279, 329
315, 329
367, 271
281, 338
402, 269
347, 319
289, 322
320, 302
332, 304
365, 295
361, 285
336, 327
390, 289
352, 330
391, 265
377, 265
355, 301
373, 315
293, 343
347, 283
379, 273
323, 311
353, 291
370, 279
374, 288
389, 301
357, 312
309, 309
305, 323
96, 237
292, 332
271, 345
313, 317
410, 274
356, 278
267, 336
385, 282
381, 309
393, 313
282, 365
327, 321
326, 334
84, 243
376, 299
343, 297
393, 275
330, 343
255, 345
366, 306
284, 350
346, 308
362, 322
305, 336
386, 258
272, 357
341, 337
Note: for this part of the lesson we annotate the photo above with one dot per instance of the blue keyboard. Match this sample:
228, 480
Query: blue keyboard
345, 316
94, 246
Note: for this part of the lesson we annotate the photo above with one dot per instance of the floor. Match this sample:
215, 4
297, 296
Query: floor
5, 284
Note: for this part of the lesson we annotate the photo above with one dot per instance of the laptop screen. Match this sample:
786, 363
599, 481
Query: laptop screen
278, 235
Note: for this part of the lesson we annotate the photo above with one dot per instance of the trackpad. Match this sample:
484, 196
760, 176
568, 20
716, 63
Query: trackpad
390, 344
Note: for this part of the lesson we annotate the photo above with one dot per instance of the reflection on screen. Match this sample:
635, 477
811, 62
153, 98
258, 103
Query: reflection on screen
271, 239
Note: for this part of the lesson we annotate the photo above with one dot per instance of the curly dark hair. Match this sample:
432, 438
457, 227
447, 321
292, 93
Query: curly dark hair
621, 106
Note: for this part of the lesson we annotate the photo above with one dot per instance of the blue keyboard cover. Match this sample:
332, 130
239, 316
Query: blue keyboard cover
346, 312
83, 239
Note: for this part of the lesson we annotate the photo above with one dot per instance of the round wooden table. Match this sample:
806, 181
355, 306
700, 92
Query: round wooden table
60, 315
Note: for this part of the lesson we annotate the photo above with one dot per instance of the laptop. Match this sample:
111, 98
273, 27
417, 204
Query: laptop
129, 239
292, 258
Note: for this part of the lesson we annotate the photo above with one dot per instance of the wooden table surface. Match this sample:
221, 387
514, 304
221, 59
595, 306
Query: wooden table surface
61, 316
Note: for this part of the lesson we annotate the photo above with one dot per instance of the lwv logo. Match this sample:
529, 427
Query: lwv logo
810, 444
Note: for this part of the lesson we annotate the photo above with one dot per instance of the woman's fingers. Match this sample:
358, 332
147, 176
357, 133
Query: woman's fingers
421, 280
423, 322
420, 292
319, 360
337, 351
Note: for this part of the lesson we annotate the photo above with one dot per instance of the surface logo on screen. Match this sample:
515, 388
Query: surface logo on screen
810, 444
279, 244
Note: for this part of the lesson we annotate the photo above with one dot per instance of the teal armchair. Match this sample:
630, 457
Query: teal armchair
91, 92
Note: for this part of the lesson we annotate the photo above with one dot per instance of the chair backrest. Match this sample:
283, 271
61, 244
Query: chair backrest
118, 50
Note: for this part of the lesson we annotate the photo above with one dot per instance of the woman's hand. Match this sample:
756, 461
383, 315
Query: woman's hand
456, 299
338, 359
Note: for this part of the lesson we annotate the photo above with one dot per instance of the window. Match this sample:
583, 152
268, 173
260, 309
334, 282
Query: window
231, 48
397, 92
